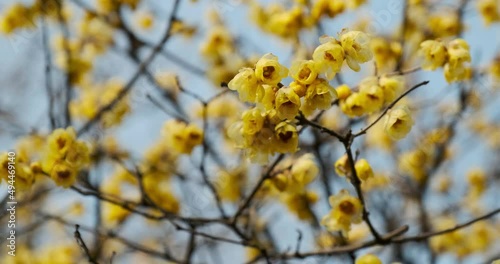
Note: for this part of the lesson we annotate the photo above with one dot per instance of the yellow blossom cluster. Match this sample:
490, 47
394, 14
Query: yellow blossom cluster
373, 94
107, 6
93, 97
182, 137
386, 53
346, 210
454, 57
230, 184
288, 22
464, 242
219, 50
64, 156
262, 133
21, 16
363, 168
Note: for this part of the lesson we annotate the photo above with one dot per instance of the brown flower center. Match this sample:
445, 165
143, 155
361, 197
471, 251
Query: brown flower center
268, 71
347, 207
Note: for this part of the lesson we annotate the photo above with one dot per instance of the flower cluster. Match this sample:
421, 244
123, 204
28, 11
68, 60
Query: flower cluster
64, 156
182, 137
262, 133
454, 57
372, 95
288, 22
94, 97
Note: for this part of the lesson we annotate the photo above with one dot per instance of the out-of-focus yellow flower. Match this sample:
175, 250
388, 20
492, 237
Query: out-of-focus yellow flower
346, 210
168, 81
476, 179
160, 193
342, 166
372, 94
114, 214
343, 91
230, 184
144, 20
269, 71
304, 71
386, 53
489, 9
457, 68
392, 87
299, 203
329, 57
15, 17
304, 170
287, 103
181, 136
63, 174
330, 8
445, 24
415, 163
356, 45
398, 122
64, 156
363, 169
368, 259
434, 54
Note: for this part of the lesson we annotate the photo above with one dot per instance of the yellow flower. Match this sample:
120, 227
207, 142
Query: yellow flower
304, 71
489, 10
182, 137
346, 210
458, 58
445, 24
61, 140
342, 166
253, 120
368, 259
269, 71
386, 53
114, 213
168, 81
319, 95
495, 69
477, 181
329, 57
331, 8
398, 122
434, 54
298, 88
354, 105
287, 137
304, 170
230, 184
299, 204
415, 163
287, 103
356, 45
246, 83
144, 20
63, 174
15, 17
160, 193
392, 87
372, 93
24, 177
343, 91
363, 169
